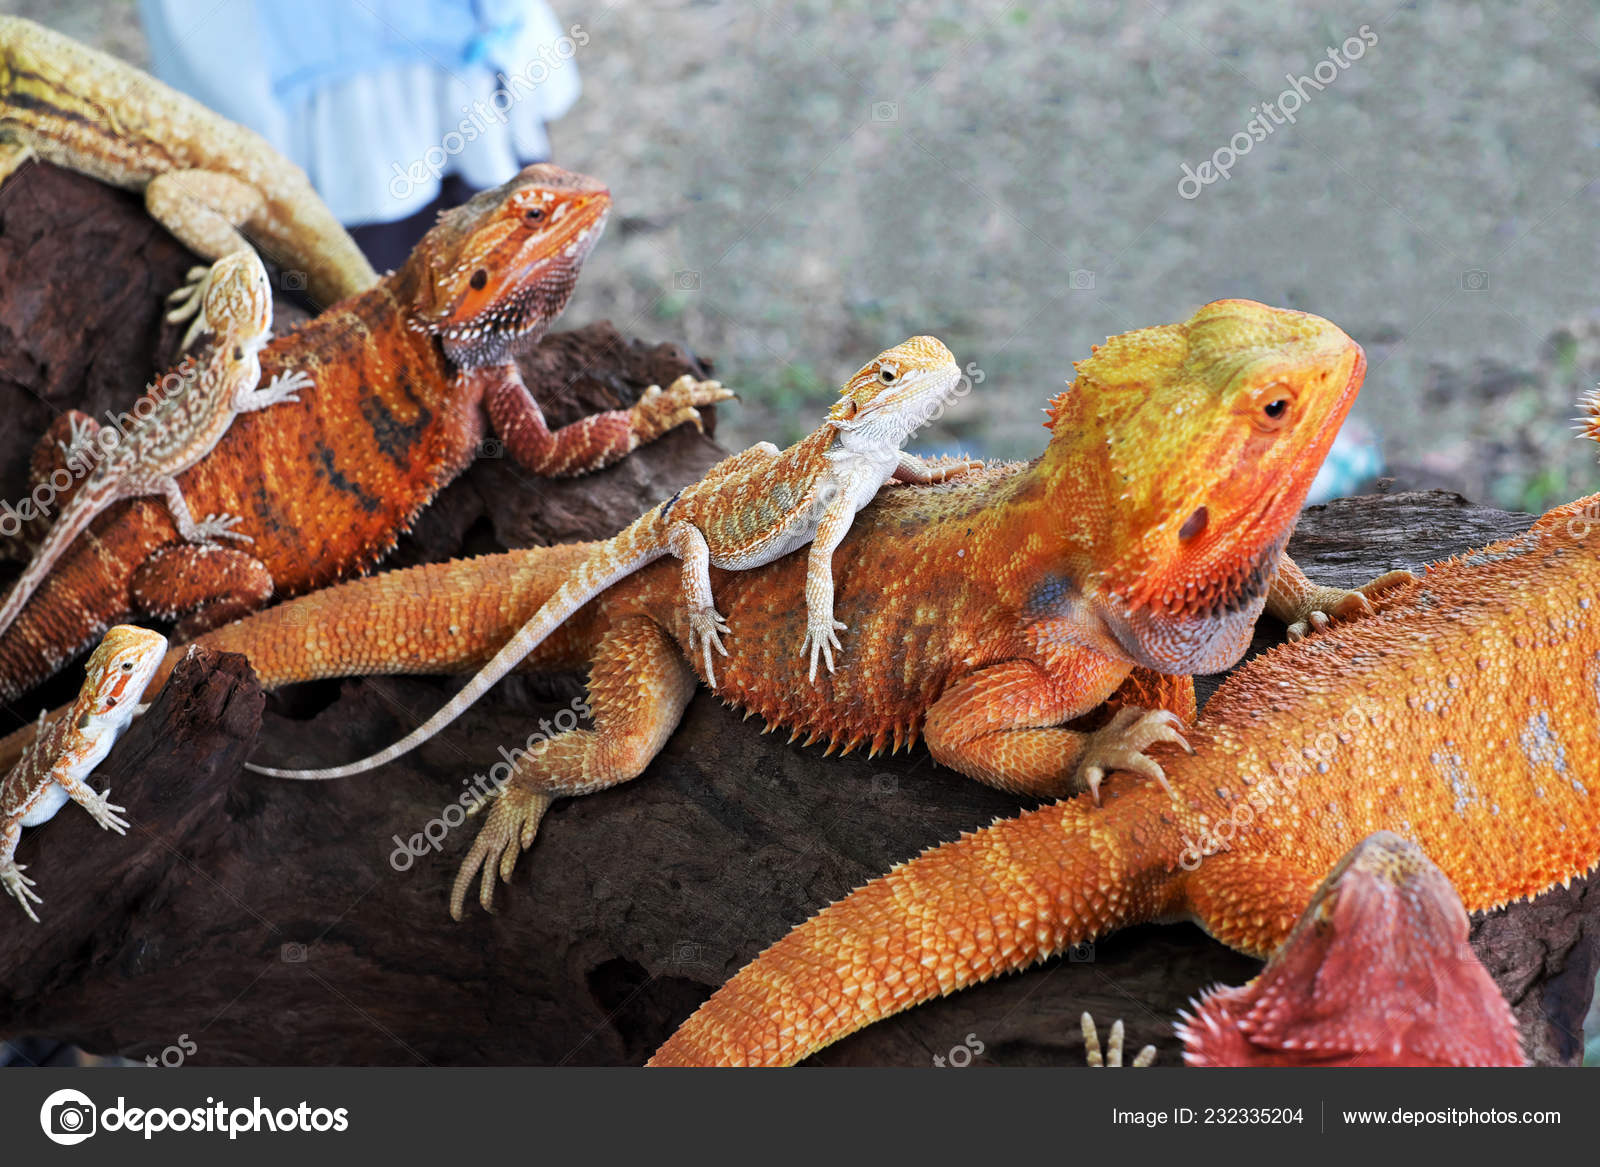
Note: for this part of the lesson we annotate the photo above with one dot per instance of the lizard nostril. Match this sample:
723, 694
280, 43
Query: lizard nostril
479, 278
1194, 524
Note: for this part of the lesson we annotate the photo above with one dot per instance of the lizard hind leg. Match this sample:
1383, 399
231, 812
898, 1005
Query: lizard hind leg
639, 686
200, 586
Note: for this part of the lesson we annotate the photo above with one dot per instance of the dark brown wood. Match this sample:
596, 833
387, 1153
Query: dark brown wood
289, 923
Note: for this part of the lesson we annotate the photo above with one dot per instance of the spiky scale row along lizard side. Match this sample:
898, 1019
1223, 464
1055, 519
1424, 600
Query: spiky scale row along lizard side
203, 177
404, 373
747, 511
984, 612
1461, 715
57, 766
192, 410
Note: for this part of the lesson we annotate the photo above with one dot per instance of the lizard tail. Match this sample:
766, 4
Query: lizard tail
71, 523
639, 544
959, 913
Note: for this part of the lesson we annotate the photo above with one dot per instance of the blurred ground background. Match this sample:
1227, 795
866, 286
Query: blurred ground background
800, 185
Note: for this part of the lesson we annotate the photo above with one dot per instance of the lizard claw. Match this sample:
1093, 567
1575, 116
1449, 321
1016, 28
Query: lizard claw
821, 638
509, 829
188, 301
709, 627
1121, 745
1113, 1054
19, 885
1324, 605
107, 813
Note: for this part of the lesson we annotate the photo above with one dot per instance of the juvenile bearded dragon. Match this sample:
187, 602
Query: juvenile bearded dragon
65, 752
747, 511
190, 415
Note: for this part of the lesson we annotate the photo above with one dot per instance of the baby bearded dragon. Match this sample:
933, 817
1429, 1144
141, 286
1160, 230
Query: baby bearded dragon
747, 511
65, 752
203, 176
186, 423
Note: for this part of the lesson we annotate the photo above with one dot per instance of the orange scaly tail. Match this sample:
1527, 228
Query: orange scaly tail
981, 909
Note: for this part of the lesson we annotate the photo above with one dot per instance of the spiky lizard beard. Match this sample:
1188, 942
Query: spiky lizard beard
513, 323
1199, 626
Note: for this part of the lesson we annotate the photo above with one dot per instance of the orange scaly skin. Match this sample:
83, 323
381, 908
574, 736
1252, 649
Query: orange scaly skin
1378, 972
403, 373
1461, 715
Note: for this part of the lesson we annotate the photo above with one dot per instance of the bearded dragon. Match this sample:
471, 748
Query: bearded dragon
404, 372
1419, 996
748, 510
1461, 715
985, 611
204, 178
57, 765
190, 411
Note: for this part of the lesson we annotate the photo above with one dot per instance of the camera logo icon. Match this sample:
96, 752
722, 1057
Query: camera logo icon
294, 281
686, 281
68, 1117
1476, 280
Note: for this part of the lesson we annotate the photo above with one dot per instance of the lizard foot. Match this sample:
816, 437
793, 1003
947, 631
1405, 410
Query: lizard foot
708, 626
106, 813
1323, 605
188, 300
19, 885
1113, 1054
944, 471
80, 436
1121, 745
214, 527
821, 638
283, 387
512, 822
659, 410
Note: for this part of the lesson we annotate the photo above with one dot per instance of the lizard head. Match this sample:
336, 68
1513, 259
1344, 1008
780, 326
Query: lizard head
497, 270
1377, 972
119, 670
896, 393
237, 299
1183, 455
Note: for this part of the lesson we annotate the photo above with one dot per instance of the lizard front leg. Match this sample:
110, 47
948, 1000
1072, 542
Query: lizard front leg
821, 628
1002, 726
283, 387
706, 624
913, 469
639, 686
1305, 606
590, 442
208, 530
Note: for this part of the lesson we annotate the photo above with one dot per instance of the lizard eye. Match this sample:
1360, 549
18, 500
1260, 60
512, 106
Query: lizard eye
479, 278
1278, 408
127, 666
534, 214
887, 374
